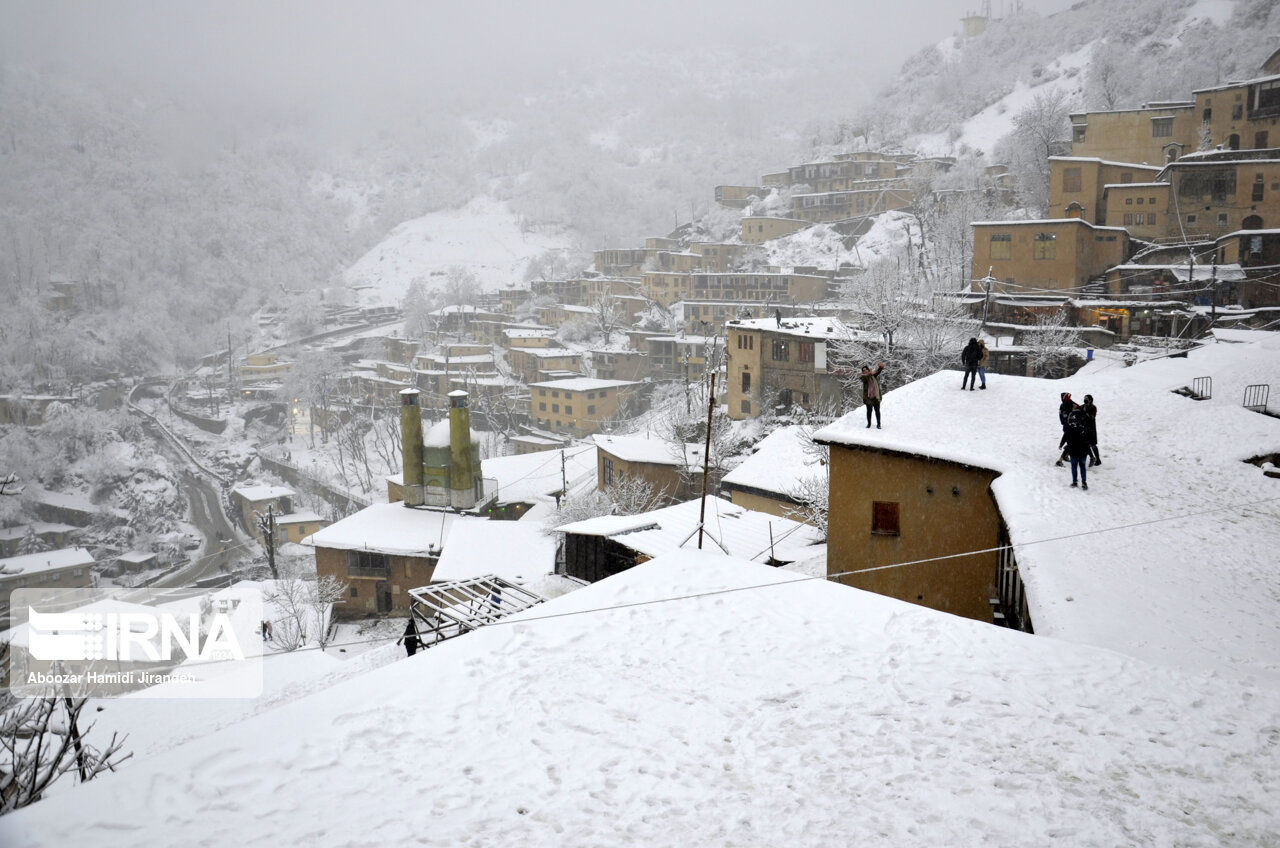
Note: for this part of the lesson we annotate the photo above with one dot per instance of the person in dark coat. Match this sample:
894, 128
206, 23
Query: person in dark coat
412, 641
1064, 412
1075, 438
1091, 412
871, 391
969, 358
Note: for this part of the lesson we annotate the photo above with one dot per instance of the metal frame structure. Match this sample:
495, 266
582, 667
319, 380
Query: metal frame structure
1257, 396
445, 610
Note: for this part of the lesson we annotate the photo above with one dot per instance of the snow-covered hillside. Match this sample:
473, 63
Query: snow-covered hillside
485, 237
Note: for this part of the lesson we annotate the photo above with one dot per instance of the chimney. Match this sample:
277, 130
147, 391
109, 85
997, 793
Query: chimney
462, 487
411, 446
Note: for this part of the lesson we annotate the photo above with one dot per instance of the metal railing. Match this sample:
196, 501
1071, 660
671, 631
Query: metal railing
1202, 388
1257, 396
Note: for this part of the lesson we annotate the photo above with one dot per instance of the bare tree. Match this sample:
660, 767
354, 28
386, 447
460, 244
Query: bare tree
607, 314
1106, 83
1051, 345
9, 485
42, 741
1037, 131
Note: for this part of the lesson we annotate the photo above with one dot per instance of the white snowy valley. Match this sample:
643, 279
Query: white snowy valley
508, 426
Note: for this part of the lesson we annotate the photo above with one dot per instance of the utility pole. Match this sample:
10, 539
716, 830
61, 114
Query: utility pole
564, 478
228, 354
986, 300
706, 459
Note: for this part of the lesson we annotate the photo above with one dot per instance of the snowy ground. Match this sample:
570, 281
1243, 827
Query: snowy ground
484, 236
865, 721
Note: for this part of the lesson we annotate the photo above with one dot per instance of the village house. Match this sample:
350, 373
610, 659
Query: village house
737, 196
619, 365
682, 357
1241, 115
580, 406
1223, 191
673, 471
134, 562
523, 443
65, 568
253, 499
1078, 186
703, 316
296, 526
1257, 254
1154, 134
1050, 255
755, 288
600, 547
49, 534
783, 473
757, 229
831, 206
530, 364
263, 366
720, 257
979, 522
782, 363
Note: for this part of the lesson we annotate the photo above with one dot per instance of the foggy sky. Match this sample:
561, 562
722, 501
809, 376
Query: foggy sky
351, 54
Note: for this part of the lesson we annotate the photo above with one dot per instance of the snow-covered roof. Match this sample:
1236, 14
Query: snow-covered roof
257, 492
37, 527
136, 556
536, 477
1228, 271
1266, 232
648, 449
305, 516
518, 551
1237, 84
545, 353
1180, 585
709, 711
744, 532
529, 333
390, 528
45, 561
584, 384
1139, 165
781, 463
810, 328
1136, 185
1042, 221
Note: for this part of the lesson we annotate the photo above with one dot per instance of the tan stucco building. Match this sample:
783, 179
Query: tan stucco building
579, 406
1058, 254
785, 362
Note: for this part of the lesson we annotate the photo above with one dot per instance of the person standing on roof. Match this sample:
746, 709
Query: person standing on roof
969, 358
871, 392
982, 363
1075, 439
1091, 424
1064, 412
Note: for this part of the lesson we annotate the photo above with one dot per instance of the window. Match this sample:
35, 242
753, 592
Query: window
354, 593
1206, 116
591, 395
1161, 127
1141, 200
542, 407
1128, 219
1191, 219
746, 381
1257, 190
779, 352
555, 407
591, 410
1237, 111
608, 471
1046, 246
884, 518
804, 352
1222, 219
1151, 218
568, 410
746, 407
1128, 201
1126, 177
1260, 140
1001, 245
1070, 180
1078, 133
366, 564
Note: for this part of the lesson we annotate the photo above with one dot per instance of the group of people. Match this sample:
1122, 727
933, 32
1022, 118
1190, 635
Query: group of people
974, 360
1079, 441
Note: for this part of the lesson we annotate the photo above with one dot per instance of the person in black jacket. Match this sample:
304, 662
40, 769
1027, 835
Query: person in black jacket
1075, 438
969, 359
1091, 425
1064, 412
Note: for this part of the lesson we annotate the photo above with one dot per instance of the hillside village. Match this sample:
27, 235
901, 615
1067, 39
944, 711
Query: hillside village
563, 515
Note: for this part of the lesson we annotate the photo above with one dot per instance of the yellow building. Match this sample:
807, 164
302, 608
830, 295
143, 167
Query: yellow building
841, 205
580, 406
754, 288
1218, 193
1057, 254
619, 365
529, 364
263, 366
674, 472
254, 499
1241, 116
1141, 208
1153, 135
783, 363
296, 526
1077, 187
737, 196
784, 469
530, 338
759, 229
